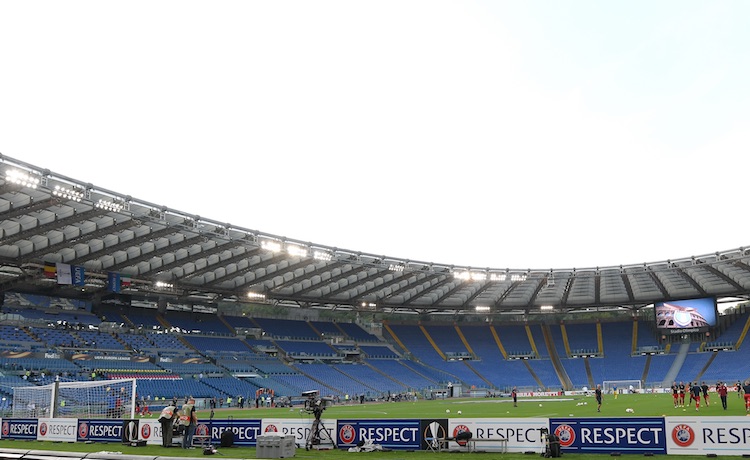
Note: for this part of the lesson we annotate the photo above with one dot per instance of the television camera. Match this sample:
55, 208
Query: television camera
314, 404
319, 436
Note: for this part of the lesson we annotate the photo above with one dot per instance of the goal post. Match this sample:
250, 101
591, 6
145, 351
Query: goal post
622, 386
113, 399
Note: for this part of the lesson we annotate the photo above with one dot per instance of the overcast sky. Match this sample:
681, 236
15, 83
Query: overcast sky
522, 134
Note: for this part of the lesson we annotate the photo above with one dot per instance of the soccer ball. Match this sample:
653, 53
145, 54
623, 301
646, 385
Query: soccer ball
447, 411
540, 404
459, 412
629, 410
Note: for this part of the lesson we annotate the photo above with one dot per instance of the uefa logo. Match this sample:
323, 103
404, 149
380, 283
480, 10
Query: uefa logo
347, 434
683, 435
145, 431
271, 429
83, 429
6, 428
43, 429
566, 434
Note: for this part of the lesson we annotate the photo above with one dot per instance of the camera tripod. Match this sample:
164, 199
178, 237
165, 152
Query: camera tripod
319, 437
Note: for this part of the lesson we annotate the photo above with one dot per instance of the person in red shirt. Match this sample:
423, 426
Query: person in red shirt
675, 396
746, 389
722, 389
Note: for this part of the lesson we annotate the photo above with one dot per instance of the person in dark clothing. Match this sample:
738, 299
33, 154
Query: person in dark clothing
167, 418
514, 394
704, 389
598, 394
695, 393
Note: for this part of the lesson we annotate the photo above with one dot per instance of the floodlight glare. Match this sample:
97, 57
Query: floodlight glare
256, 295
322, 255
68, 193
295, 250
482, 308
15, 176
546, 307
109, 205
272, 246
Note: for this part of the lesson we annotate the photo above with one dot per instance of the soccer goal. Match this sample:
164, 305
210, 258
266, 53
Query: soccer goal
98, 399
622, 386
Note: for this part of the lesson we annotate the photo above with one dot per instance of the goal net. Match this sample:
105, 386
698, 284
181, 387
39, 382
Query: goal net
98, 399
622, 386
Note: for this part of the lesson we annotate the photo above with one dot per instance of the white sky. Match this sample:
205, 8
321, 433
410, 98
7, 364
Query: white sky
521, 134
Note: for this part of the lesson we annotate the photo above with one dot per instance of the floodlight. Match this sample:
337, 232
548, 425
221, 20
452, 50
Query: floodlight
396, 267
256, 295
322, 255
24, 179
482, 308
66, 193
269, 245
295, 250
109, 205
546, 307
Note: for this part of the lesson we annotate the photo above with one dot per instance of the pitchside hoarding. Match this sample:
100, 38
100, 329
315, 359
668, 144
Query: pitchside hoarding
99, 430
57, 429
17, 428
149, 430
245, 431
636, 435
708, 435
389, 433
522, 434
298, 427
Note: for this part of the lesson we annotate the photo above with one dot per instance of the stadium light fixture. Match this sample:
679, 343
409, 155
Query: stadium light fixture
24, 179
482, 309
546, 307
66, 193
269, 245
322, 255
109, 205
163, 285
396, 267
256, 296
295, 250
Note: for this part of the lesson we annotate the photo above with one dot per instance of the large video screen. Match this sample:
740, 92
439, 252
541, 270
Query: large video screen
686, 314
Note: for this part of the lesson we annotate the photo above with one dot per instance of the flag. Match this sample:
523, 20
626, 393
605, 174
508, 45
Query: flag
64, 275
125, 281
79, 276
50, 270
113, 282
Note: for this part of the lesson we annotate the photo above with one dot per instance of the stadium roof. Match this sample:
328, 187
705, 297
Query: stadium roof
166, 253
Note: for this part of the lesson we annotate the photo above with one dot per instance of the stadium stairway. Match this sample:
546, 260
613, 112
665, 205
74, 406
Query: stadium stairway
588, 372
646, 368
743, 334
531, 340
226, 323
465, 342
395, 337
707, 365
533, 374
679, 360
562, 374
432, 341
489, 384
360, 381
498, 342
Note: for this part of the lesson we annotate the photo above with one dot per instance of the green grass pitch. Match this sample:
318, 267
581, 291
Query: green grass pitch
643, 405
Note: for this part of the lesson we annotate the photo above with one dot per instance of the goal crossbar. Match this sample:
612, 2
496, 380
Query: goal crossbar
93, 399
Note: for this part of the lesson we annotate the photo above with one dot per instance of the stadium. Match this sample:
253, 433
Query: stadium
104, 294
405, 230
